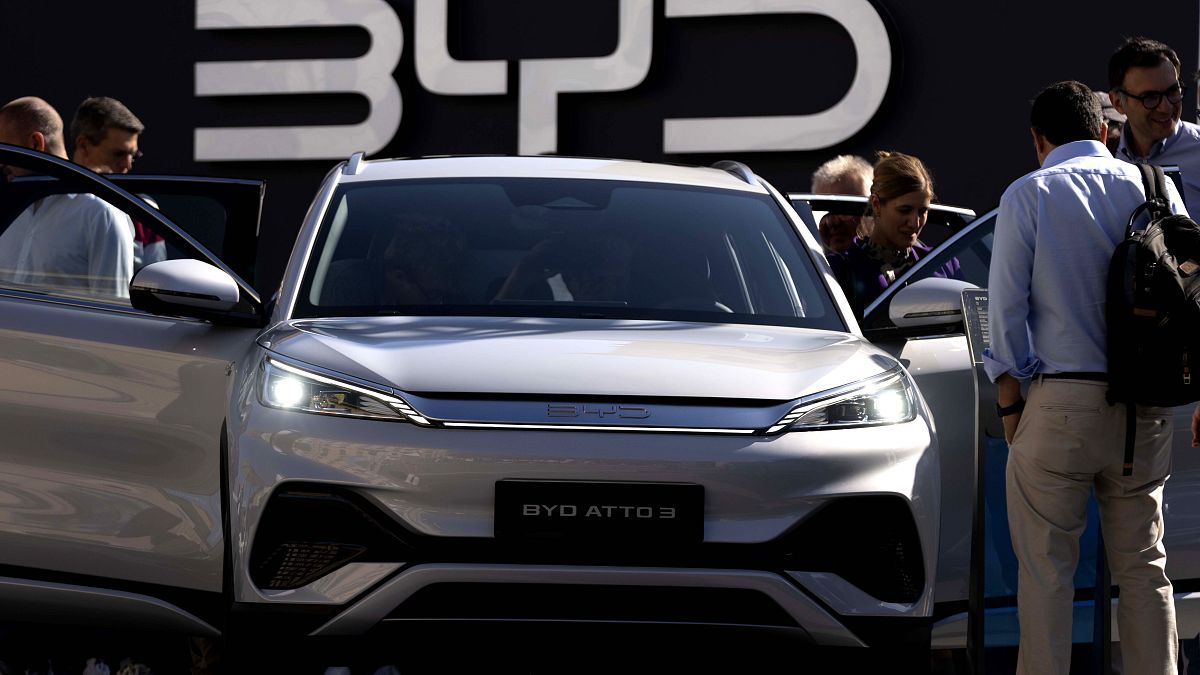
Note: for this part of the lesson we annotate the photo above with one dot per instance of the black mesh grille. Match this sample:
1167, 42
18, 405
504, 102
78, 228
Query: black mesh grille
872, 542
293, 564
305, 535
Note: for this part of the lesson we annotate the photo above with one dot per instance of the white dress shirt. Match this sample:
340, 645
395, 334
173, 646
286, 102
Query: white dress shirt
70, 242
1055, 235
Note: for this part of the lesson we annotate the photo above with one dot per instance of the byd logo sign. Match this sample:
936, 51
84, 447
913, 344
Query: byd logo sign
540, 80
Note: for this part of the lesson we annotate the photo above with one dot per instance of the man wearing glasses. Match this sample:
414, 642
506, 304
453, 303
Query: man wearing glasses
1143, 80
105, 135
106, 141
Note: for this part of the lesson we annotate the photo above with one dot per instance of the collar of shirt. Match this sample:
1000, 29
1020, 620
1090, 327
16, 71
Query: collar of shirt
1156, 149
1074, 149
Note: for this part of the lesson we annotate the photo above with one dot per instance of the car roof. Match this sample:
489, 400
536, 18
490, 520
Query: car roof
546, 167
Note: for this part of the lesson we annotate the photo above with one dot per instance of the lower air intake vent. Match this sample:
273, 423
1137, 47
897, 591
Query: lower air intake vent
872, 542
293, 564
305, 535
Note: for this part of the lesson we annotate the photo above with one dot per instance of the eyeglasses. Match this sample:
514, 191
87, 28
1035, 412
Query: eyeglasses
121, 155
1151, 99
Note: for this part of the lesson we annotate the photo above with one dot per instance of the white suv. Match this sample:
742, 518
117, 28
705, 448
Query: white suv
489, 390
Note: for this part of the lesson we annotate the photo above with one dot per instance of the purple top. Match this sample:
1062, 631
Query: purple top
863, 274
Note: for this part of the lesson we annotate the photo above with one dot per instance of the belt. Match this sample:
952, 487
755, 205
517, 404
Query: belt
1091, 377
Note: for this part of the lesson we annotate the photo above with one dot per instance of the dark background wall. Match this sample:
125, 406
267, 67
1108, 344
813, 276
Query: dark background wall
962, 78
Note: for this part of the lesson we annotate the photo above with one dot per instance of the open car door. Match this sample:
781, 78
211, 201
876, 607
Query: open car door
111, 507
221, 213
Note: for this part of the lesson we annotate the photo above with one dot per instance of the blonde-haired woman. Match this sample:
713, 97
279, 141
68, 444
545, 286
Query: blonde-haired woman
901, 192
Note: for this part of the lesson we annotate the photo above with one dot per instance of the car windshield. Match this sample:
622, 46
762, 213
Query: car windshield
561, 248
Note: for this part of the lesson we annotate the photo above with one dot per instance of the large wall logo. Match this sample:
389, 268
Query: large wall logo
539, 81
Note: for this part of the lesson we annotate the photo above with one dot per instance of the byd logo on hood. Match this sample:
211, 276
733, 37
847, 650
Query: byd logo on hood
539, 80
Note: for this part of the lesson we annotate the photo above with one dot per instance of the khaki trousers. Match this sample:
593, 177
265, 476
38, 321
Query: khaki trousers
1068, 442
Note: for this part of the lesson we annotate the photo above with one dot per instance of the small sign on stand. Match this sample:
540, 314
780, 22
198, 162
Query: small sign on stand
975, 317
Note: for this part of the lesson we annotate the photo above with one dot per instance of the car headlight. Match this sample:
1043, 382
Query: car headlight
291, 388
883, 399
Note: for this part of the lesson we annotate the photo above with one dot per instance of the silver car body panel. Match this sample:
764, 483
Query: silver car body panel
440, 481
114, 473
504, 355
26, 600
941, 369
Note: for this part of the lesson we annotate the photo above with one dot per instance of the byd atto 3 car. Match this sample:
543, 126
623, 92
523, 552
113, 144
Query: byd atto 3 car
489, 391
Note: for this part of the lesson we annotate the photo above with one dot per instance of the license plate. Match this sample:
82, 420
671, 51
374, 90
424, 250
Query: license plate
599, 510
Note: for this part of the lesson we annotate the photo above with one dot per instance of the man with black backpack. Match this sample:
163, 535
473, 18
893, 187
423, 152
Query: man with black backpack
1056, 233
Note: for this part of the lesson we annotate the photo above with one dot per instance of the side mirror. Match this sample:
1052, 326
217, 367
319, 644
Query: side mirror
932, 301
184, 288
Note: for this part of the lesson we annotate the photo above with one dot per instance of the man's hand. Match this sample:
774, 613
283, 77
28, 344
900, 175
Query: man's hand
1196, 427
1011, 422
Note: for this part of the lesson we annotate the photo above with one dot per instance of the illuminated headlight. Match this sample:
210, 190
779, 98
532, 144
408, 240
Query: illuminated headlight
291, 388
883, 399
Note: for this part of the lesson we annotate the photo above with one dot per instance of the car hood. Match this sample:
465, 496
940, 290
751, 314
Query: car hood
502, 355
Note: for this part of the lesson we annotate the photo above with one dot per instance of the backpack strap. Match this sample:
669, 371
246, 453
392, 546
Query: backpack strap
1155, 181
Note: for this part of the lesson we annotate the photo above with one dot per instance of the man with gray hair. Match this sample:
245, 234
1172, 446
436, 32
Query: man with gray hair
69, 243
842, 175
105, 135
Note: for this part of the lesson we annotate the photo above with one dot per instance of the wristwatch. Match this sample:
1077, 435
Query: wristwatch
1005, 411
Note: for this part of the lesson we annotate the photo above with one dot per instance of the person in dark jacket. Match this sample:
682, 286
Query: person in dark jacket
901, 192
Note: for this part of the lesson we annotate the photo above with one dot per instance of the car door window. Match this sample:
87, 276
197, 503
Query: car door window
222, 214
973, 252
972, 249
64, 233
942, 223
59, 241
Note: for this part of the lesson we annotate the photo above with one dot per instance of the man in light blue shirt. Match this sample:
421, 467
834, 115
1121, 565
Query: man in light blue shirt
1055, 235
1143, 82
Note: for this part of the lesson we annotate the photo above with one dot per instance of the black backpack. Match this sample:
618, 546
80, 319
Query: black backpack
1153, 310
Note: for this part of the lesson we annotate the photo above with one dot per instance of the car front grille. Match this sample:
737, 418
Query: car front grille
308, 531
